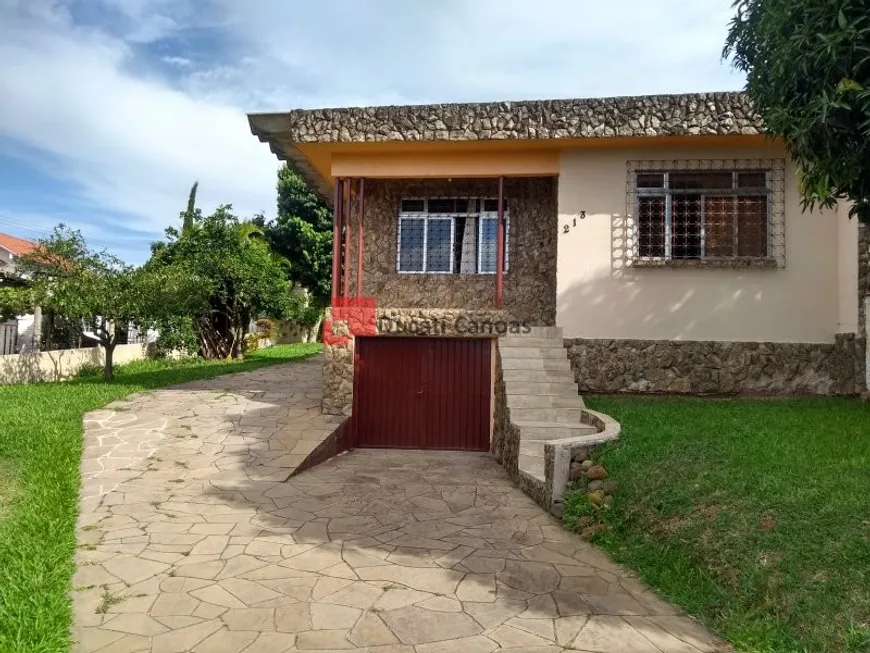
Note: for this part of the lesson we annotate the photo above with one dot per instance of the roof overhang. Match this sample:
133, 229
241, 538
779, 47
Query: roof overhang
491, 138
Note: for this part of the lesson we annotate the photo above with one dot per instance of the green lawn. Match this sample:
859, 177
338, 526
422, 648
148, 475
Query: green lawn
753, 515
40, 451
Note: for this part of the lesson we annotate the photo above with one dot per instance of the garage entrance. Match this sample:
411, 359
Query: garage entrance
423, 393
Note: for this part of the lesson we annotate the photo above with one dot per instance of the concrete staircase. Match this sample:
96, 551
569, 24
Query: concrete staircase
541, 393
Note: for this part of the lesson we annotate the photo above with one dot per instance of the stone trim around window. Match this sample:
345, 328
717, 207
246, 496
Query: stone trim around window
630, 236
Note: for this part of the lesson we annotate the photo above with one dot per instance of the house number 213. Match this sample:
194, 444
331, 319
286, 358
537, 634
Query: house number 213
568, 227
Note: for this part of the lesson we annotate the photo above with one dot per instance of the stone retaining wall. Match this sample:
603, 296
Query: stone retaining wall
708, 367
505, 444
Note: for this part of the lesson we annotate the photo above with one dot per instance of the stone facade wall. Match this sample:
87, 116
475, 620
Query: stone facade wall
505, 444
529, 282
613, 366
650, 115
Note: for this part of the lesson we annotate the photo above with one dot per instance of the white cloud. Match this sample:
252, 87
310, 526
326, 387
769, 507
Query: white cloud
133, 145
181, 62
92, 97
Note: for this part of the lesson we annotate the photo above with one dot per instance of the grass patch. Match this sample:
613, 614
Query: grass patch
8, 478
41, 441
753, 515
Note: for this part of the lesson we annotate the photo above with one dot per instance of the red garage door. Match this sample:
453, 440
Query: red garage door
423, 393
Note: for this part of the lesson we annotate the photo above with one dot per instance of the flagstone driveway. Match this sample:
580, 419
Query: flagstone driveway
192, 538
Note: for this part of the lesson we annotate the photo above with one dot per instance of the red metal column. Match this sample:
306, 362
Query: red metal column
345, 277
336, 238
360, 237
499, 248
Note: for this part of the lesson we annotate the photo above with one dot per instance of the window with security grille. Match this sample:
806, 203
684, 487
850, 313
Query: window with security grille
450, 235
704, 214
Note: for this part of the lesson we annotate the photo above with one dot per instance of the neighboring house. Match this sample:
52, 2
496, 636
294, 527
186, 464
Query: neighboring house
22, 334
662, 236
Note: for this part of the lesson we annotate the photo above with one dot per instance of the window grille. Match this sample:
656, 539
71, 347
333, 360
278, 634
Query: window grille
449, 235
711, 211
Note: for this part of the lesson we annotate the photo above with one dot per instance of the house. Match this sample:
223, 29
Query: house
545, 249
21, 334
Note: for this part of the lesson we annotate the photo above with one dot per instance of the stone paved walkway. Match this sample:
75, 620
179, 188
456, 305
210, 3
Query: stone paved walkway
193, 539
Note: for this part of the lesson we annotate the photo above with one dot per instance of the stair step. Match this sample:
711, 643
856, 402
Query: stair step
532, 465
563, 375
560, 416
510, 353
537, 430
522, 341
535, 363
568, 399
533, 388
541, 332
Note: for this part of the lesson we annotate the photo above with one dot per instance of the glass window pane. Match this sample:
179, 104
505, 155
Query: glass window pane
651, 225
492, 205
411, 244
413, 206
686, 226
752, 180
439, 248
650, 180
488, 236
719, 226
442, 205
702, 180
751, 226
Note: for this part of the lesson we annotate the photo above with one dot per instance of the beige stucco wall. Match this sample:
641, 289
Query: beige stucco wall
809, 300
61, 364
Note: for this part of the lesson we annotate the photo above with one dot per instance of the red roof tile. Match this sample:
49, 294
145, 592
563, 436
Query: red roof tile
15, 245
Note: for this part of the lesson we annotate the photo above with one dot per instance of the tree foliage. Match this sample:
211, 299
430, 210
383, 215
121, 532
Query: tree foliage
808, 75
302, 234
15, 297
98, 290
243, 280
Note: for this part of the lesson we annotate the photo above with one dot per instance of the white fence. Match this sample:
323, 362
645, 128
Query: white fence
60, 364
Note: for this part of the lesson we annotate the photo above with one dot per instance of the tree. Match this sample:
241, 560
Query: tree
302, 233
243, 279
808, 75
190, 216
15, 297
98, 290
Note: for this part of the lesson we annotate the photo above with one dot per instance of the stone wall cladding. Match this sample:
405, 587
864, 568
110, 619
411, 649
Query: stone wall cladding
505, 442
706, 367
337, 379
653, 115
530, 281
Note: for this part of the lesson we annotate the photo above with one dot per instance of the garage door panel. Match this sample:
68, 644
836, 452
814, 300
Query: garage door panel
423, 393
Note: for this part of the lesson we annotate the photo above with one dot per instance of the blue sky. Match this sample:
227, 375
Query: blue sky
111, 109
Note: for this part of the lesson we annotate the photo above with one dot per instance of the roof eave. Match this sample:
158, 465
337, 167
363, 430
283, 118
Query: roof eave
266, 127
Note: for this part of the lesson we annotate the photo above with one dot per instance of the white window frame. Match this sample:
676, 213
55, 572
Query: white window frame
410, 216
426, 217
438, 217
493, 215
